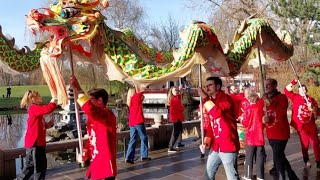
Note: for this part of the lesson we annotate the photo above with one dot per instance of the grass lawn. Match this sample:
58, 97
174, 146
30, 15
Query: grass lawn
17, 93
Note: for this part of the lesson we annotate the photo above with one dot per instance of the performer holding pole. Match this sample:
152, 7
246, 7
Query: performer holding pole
304, 112
100, 147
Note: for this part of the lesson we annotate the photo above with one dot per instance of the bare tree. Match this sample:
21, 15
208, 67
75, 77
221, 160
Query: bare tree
125, 14
227, 15
165, 36
234, 9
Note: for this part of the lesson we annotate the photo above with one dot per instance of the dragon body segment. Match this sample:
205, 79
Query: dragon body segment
78, 26
22, 60
257, 33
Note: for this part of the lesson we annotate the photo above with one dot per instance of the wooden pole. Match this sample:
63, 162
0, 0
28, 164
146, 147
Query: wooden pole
295, 73
262, 90
201, 108
75, 95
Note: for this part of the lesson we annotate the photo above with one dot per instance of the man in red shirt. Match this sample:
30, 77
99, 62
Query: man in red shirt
102, 130
222, 130
277, 127
303, 120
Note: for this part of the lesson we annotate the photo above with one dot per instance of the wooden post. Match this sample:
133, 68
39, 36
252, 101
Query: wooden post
262, 90
201, 108
1, 164
75, 95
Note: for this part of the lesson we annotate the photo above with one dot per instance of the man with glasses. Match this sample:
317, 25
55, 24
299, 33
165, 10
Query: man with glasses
222, 130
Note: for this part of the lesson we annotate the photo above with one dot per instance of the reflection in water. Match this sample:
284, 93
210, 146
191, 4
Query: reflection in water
9, 118
12, 130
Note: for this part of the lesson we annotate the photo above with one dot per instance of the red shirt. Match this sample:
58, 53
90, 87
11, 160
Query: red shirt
223, 126
206, 118
36, 130
237, 99
244, 105
278, 126
302, 117
176, 109
252, 121
135, 110
101, 144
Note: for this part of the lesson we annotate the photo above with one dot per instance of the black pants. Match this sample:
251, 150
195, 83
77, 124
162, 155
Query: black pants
259, 153
177, 129
36, 164
110, 178
281, 162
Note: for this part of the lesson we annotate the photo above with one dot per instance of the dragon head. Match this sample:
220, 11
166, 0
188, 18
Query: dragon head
68, 22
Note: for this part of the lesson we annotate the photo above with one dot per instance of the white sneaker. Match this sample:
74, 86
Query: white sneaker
308, 164
260, 179
246, 178
172, 150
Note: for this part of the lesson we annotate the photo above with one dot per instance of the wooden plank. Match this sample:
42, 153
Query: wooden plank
1, 163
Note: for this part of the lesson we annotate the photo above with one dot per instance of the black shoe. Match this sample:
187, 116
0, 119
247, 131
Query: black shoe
145, 159
273, 171
130, 161
180, 145
318, 165
202, 156
240, 155
172, 150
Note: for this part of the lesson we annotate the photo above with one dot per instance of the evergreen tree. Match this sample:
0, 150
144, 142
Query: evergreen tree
302, 19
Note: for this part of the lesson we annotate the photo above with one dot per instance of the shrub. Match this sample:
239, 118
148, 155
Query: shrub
313, 91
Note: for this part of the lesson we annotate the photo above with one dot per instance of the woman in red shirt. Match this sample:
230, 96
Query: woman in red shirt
252, 121
35, 139
176, 115
136, 123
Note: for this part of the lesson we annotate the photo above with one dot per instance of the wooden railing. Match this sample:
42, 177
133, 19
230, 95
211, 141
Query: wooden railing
158, 138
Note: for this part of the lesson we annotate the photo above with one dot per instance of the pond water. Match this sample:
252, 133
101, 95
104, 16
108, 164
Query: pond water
12, 133
12, 130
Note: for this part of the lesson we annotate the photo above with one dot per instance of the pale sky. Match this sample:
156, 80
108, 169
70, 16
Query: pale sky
12, 15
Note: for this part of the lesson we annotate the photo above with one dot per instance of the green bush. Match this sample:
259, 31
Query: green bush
313, 91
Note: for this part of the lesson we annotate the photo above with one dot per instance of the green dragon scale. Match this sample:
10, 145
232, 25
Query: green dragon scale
22, 60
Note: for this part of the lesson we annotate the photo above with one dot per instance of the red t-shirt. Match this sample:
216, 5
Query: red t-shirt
176, 109
252, 121
302, 117
223, 126
237, 99
135, 110
278, 126
36, 130
101, 144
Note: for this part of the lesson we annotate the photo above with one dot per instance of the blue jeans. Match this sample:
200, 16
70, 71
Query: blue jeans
141, 130
229, 161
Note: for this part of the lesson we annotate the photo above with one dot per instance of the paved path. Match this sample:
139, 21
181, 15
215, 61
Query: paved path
187, 164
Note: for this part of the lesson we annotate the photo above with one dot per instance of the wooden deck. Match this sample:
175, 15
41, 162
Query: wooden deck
186, 164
